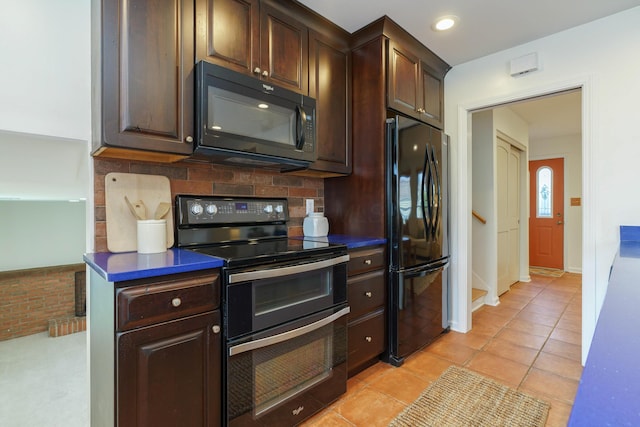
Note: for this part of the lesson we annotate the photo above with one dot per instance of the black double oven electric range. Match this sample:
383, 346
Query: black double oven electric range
284, 308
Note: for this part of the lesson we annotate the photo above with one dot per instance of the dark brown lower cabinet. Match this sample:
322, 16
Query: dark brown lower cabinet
155, 350
168, 374
367, 299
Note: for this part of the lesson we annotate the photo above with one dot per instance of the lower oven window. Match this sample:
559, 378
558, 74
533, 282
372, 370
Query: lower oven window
286, 370
262, 379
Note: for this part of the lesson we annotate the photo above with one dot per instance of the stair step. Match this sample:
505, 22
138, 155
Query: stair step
477, 293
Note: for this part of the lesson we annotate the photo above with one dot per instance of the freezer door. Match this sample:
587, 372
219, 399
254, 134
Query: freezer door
418, 312
417, 193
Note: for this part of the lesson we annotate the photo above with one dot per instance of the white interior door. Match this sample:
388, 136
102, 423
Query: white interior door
508, 214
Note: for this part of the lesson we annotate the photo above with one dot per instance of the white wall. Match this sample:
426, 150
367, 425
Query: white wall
45, 99
40, 234
568, 147
602, 58
45, 75
486, 126
485, 269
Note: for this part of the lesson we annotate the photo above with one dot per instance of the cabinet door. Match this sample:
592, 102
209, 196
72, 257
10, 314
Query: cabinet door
330, 85
431, 94
404, 80
228, 33
170, 374
147, 75
284, 51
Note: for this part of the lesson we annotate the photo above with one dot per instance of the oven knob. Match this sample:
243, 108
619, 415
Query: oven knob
211, 209
196, 209
268, 209
279, 208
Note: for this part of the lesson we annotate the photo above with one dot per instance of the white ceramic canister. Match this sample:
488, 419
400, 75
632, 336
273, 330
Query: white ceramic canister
315, 225
152, 236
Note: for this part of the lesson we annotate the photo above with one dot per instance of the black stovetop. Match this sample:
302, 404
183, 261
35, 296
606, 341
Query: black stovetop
270, 251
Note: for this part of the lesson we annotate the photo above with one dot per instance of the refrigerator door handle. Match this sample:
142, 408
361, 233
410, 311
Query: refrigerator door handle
425, 205
437, 194
425, 268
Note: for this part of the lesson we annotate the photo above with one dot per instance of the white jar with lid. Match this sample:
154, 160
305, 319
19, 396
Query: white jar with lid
315, 225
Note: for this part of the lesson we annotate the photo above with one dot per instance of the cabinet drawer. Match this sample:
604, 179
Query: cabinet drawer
361, 261
366, 339
366, 292
143, 305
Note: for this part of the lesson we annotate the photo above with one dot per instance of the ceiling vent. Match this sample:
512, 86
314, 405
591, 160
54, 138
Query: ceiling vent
524, 65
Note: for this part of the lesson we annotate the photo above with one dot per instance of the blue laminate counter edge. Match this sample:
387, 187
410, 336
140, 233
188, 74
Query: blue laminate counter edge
117, 267
609, 389
352, 242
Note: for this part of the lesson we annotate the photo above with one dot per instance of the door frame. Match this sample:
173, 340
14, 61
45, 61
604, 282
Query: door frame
565, 252
461, 266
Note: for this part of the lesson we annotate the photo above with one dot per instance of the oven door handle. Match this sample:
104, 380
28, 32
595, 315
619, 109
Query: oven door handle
285, 271
294, 333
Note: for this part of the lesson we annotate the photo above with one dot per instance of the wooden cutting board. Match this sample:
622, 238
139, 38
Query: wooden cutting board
121, 224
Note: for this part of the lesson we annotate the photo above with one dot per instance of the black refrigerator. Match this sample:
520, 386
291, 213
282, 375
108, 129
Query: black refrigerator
417, 214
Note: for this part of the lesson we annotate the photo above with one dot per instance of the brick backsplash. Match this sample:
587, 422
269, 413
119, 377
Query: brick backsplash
212, 179
30, 298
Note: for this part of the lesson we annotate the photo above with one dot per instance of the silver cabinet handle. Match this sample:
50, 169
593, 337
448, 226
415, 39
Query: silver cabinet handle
368, 339
265, 73
176, 302
368, 293
189, 138
367, 261
285, 336
215, 329
257, 70
284, 271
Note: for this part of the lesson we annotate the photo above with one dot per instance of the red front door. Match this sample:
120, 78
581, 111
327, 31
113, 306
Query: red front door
546, 219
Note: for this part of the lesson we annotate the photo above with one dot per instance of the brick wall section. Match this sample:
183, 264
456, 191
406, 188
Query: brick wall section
211, 179
30, 298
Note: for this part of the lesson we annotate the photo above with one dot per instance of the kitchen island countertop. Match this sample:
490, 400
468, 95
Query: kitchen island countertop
117, 267
609, 389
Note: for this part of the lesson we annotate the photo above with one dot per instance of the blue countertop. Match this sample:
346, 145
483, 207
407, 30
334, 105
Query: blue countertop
116, 267
609, 390
352, 242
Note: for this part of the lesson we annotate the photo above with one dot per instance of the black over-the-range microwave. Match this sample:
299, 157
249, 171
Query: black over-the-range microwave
244, 121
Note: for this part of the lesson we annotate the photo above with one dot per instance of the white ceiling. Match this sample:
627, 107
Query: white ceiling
486, 27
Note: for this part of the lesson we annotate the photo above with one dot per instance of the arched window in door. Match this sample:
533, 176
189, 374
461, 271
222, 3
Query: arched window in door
544, 179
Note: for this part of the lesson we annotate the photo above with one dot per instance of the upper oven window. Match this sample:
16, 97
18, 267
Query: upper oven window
259, 298
286, 292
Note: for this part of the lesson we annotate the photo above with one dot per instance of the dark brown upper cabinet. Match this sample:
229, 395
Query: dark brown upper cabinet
259, 38
415, 81
330, 85
145, 63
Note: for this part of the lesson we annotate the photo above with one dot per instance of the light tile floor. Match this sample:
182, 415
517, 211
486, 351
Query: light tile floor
531, 342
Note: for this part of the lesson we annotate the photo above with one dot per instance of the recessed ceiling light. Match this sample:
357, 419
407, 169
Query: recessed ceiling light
444, 23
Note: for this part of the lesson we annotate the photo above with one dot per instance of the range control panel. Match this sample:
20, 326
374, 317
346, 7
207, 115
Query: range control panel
214, 210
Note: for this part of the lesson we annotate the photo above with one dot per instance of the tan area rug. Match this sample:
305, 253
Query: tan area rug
546, 271
463, 398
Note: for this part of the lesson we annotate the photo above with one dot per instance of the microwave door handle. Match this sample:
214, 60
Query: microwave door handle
301, 124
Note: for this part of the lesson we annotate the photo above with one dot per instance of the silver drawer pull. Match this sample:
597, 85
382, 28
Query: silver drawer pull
215, 329
176, 302
368, 339
367, 261
368, 294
